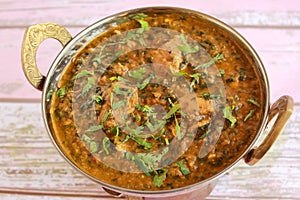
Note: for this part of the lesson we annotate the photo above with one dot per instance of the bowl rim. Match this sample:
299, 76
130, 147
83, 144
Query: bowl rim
188, 188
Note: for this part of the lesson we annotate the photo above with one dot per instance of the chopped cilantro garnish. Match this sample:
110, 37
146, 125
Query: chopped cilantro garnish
160, 178
157, 125
94, 128
187, 48
249, 115
61, 92
138, 16
144, 24
147, 162
118, 104
177, 129
98, 99
227, 113
185, 170
83, 73
88, 86
209, 63
105, 117
143, 142
137, 74
142, 85
221, 72
172, 111
106, 144
253, 102
94, 147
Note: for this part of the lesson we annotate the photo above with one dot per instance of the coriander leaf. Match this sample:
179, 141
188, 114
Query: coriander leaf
172, 111
177, 129
205, 95
143, 142
88, 86
94, 147
116, 131
209, 63
130, 35
61, 92
156, 126
86, 138
118, 104
134, 132
142, 165
94, 128
160, 178
98, 99
137, 74
142, 41
105, 117
187, 48
83, 73
106, 144
185, 170
221, 72
147, 162
144, 24
249, 115
142, 85
253, 102
138, 16
117, 89
227, 113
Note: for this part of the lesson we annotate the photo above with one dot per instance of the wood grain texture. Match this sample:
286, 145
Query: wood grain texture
81, 13
30, 163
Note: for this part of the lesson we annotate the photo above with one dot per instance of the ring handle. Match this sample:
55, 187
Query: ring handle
33, 37
283, 108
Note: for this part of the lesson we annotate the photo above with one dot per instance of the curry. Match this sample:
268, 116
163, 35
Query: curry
156, 102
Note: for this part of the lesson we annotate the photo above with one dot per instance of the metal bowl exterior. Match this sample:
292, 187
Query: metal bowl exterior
204, 187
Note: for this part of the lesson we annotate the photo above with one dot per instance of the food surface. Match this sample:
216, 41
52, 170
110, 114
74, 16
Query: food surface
157, 101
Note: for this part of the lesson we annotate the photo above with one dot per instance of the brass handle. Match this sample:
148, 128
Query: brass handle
33, 37
284, 108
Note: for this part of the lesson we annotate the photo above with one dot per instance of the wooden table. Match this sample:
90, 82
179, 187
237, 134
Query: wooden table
31, 168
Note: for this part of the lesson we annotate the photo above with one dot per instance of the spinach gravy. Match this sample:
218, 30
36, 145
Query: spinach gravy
157, 101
